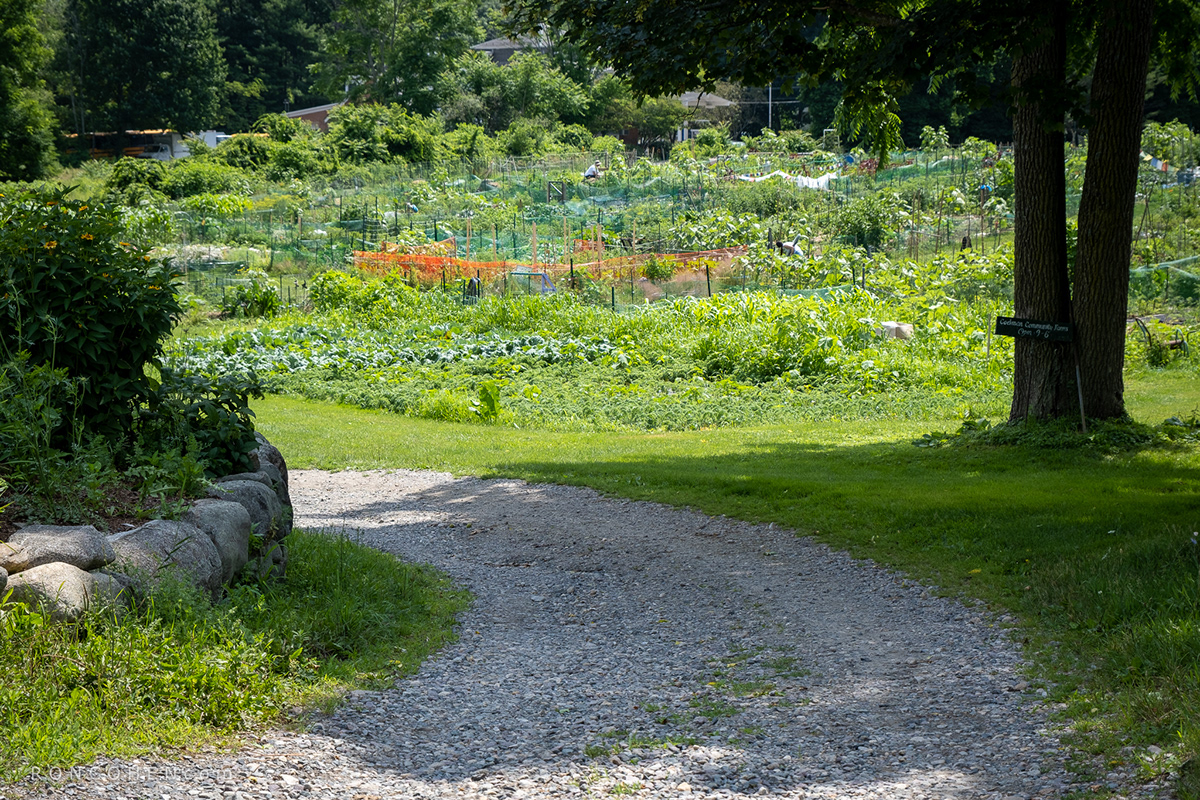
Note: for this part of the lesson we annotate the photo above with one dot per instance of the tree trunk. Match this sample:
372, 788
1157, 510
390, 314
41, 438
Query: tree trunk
1043, 378
1106, 207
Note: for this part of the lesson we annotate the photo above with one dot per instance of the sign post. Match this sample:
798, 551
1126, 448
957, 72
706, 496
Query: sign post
1045, 332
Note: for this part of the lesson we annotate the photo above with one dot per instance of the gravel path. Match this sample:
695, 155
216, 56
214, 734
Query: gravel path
627, 648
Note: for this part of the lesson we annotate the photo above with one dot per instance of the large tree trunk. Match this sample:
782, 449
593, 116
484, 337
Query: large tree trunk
1043, 378
1106, 207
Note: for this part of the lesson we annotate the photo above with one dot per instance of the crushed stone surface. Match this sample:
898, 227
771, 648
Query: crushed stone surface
622, 648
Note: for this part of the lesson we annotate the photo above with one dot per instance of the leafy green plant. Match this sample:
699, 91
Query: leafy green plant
254, 295
488, 404
659, 269
78, 298
211, 416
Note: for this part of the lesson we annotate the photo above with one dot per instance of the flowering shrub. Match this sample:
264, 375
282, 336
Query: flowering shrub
77, 297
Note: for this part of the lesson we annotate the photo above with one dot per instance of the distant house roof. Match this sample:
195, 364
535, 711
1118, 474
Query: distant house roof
317, 116
502, 49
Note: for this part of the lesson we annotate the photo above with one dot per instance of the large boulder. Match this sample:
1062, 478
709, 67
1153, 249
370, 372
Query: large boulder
266, 512
227, 524
81, 546
64, 591
164, 544
3, 581
268, 475
268, 453
113, 590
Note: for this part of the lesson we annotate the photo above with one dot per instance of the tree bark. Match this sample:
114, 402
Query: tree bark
1107, 205
1043, 378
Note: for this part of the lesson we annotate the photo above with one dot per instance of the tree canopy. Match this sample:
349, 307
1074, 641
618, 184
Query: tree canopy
25, 136
136, 64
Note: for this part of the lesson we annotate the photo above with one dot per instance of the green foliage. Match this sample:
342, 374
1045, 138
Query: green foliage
659, 269
141, 64
476, 90
36, 402
245, 151
216, 205
467, 142
573, 137
558, 362
294, 159
524, 138
132, 179
282, 128
190, 176
339, 291
253, 295
934, 140
212, 413
26, 125
870, 219
370, 133
78, 298
790, 141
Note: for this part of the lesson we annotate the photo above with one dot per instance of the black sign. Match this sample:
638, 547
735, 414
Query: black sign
1033, 329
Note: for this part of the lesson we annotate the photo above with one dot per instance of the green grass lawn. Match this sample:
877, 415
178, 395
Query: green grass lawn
1092, 550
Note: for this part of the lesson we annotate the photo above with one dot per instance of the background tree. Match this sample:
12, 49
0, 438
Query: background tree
137, 64
268, 47
478, 91
26, 143
883, 50
392, 51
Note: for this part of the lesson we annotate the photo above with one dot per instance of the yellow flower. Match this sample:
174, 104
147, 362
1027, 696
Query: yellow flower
83, 207
50, 245
87, 237
124, 244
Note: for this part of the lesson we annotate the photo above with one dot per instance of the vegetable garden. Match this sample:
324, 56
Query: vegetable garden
487, 293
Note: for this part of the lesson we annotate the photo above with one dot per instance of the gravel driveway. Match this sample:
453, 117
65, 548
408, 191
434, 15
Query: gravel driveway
628, 648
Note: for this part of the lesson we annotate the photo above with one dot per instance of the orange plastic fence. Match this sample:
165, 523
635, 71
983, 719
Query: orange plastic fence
428, 269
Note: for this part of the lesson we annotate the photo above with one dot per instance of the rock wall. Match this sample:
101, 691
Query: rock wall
237, 531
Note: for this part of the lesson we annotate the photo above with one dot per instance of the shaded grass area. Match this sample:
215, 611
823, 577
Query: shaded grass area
180, 671
1093, 550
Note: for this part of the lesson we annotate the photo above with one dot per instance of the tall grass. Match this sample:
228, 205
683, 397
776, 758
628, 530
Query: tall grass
179, 670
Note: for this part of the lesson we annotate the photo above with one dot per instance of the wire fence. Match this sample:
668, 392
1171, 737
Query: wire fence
553, 221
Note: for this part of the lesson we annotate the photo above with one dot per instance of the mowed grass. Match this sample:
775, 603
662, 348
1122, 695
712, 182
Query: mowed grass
1092, 551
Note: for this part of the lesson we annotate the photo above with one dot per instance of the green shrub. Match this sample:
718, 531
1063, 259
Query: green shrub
525, 137
212, 413
189, 176
573, 137
244, 151
869, 220
256, 296
293, 159
282, 128
216, 205
336, 290
134, 173
78, 298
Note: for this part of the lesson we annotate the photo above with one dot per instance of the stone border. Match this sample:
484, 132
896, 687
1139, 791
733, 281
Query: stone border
237, 531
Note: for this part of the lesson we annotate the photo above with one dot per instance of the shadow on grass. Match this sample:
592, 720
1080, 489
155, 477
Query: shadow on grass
1097, 551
